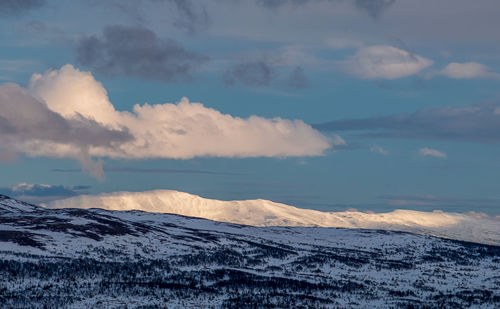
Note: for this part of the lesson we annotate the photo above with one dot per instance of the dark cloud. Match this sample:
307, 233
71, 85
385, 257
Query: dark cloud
27, 125
297, 79
16, 7
82, 187
192, 16
38, 190
7, 155
40, 193
374, 7
264, 72
189, 16
475, 123
24, 118
136, 51
146, 170
273, 4
250, 73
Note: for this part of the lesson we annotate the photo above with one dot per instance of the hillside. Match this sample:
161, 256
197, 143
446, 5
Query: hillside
467, 227
79, 258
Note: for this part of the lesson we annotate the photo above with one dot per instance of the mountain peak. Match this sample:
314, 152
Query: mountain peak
8, 204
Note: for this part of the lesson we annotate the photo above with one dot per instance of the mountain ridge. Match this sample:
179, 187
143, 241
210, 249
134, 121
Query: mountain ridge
81, 258
472, 227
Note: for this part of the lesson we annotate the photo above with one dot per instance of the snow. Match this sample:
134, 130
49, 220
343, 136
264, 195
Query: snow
472, 227
379, 262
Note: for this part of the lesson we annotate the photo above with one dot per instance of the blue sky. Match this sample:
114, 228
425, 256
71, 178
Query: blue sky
397, 101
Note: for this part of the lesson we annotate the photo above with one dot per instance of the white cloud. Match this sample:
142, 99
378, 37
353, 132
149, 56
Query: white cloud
183, 130
467, 70
385, 62
468, 227
378, 149
432, 153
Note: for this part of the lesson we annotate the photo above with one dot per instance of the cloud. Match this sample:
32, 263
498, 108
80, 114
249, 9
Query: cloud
27, 125
191, 17
265, 70
42, 192
432, 153
473, 123
136, 51
374, 7
7, 155
384, 62
16, 7
467, 70
118, 169
66, 114
379, 150
440, 201
250, 73
274, 4
343, 43
297, 79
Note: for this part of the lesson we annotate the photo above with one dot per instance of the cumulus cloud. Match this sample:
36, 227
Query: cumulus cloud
67, 113
432, 153
42, 192
379, 150
467, 70
136, 51
15, 7
384, 62
27, 125
473, 123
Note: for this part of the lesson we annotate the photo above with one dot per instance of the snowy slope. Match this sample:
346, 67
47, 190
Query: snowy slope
468, 227
80, 258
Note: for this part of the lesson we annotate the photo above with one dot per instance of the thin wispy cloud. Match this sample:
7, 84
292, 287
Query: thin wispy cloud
119, 169
467, 70
384, 62
432, 200
429, 152
15, 7
251, 73
379, 150
473, 123
373, 8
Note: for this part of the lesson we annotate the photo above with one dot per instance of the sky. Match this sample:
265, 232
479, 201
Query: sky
323, 104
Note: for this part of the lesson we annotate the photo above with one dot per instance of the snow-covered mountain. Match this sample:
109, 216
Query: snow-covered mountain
468, 227
94, 258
